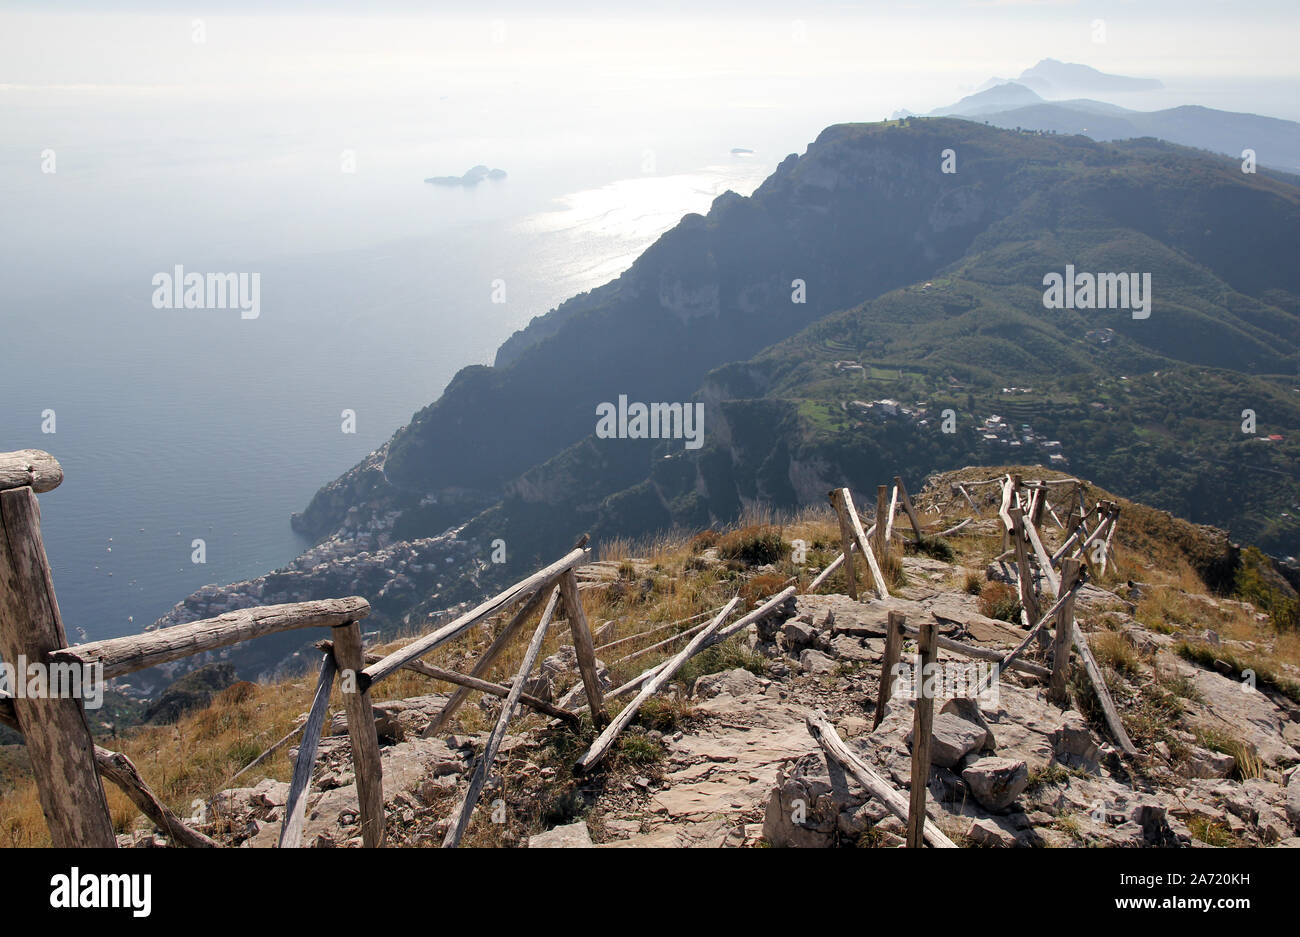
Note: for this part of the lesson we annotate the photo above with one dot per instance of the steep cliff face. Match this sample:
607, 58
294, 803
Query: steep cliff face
864, 210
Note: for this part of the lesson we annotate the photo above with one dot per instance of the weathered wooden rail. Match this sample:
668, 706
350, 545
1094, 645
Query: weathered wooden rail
1053, 580
68, 766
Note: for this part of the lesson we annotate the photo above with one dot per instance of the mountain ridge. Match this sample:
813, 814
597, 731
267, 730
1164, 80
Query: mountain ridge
780, 424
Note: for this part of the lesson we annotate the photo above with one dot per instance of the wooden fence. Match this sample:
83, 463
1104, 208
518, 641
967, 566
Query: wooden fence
1042, 579
67, 765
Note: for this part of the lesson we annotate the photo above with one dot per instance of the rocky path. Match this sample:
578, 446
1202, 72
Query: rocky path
741, 768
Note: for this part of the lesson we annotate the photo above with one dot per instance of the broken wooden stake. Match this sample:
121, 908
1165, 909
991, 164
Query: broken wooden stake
895, 624
484, 767
583, 646
1058, 692
59, 743
879, 545
846, 541
907, 506
954, 528
1103, 695
600, 747
848, 514
366, 765
296, 806
820, 728
922, 737
1044, 561
1024, 576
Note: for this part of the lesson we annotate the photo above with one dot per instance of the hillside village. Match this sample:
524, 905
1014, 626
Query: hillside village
997, 435
1207, 686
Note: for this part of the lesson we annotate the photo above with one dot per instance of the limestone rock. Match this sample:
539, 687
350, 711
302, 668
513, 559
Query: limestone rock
396, 720
988, 832
570, 836
797, 635
561, 668
542, 686
996, 782
1073, 743
814, 661
736, 682
953, 739
849, 648
269, 793
1203, 763
808, 807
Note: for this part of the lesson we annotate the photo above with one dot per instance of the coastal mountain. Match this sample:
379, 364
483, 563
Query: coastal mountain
1054, 79
1014, 105
922, 311
850, 219
1000, 97
1051, 78
1276, 143
472, 177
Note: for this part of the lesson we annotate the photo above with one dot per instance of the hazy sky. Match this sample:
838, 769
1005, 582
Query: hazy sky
353, 48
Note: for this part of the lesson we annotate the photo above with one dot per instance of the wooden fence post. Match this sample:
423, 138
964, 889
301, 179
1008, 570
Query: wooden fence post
1073, 520
1028, 595
881, 790
849, 515
583, 646
295, 808
909, 507
59, 743
1040, 505
1064, 635
366, 764
879, 544
1008, 493
846, 540
465, 809
1106, 555
922, 728
893, 645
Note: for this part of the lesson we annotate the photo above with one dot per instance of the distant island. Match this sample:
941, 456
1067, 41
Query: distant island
472, 178
741, 151
1051, 78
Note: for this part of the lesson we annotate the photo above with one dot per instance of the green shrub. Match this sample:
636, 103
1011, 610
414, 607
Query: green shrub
728, 655
753, 546
1258, 583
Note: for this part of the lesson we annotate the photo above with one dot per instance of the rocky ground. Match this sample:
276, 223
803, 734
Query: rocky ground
736, 765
